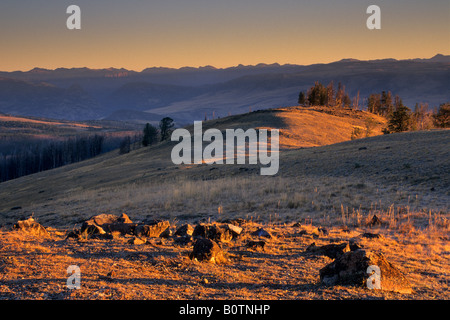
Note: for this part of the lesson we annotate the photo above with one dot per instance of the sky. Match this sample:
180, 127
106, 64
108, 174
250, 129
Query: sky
136, 34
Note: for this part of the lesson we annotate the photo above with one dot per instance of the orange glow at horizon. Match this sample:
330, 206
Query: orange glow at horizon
198, 33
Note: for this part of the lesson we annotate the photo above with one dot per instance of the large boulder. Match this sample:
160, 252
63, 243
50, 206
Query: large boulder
108, 223
152, 229
213, 232
184, 230
352, 268
31, 226
208, 250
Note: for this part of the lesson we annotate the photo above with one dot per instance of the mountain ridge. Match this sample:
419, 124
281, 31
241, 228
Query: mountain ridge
196, 92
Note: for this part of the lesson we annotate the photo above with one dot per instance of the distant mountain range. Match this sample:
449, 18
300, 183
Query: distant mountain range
188, 94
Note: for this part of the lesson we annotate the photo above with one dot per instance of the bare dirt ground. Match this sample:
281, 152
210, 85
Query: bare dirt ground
33, 267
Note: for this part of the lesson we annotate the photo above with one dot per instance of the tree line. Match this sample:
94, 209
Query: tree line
400, 117
28, 159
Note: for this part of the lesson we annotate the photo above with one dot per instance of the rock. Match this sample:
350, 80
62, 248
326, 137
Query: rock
255, 245
208, 250
136, 240
235, 230
101, 219
124, 219
152, 230
31, 226
351, 269
330, 250
213, 232
110, 223
375, 221
166, 233
262, 233
184, 230
89, 227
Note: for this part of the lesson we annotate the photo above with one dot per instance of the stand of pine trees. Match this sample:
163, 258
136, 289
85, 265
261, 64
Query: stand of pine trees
400, 117
45, 156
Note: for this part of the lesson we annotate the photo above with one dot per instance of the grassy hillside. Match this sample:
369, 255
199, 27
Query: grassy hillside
326, 183
402, 178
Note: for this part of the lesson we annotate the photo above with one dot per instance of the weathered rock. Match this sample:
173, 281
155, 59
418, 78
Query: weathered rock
89, 227
351, 268
153, 229
184, 230
208, 250
235, 230
330, 250
213, 232
101, 219
262, 233
136, 240
110, 223
31, 226
124, 219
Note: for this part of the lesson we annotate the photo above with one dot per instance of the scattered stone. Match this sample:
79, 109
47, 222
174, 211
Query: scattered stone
330, 250
213, 232
375, 221
255, 245
90, 228
122, 224
153, 229
184, 230
262, 233
101, 219
107, 223
124, 219
136, 240
208, 250
166, 233
351, 269
235, 230
31, 226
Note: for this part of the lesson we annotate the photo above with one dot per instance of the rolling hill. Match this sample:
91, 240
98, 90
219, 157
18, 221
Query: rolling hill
383, 171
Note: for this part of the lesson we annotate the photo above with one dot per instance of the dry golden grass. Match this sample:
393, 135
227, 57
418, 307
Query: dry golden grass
35, 268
